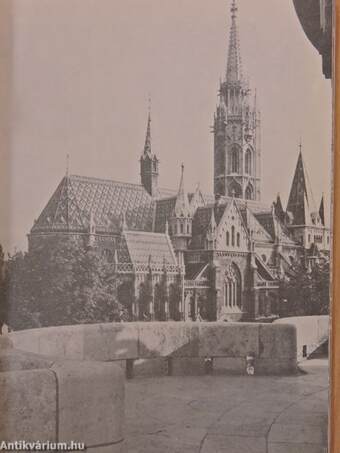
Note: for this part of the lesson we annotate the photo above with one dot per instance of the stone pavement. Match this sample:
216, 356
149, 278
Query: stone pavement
229, 414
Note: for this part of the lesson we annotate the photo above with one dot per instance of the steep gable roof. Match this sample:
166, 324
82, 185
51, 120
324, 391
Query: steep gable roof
77, 197
301, 202
141, 246
259, 233
202, 219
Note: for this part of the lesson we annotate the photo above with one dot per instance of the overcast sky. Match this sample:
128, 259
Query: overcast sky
82, 71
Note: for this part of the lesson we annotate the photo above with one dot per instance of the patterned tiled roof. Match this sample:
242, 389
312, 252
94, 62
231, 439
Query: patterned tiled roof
142, 245
164, 208
76, 197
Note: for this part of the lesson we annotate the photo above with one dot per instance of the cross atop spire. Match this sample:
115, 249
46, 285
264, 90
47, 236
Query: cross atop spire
234, 65
67, 165
233, 9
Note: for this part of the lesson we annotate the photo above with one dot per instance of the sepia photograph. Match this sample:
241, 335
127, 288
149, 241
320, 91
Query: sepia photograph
165, 225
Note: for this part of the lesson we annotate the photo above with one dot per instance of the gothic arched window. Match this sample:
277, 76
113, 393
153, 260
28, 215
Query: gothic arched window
249, 192
232, 287
238, 239
233, 236
235, 161
227, 238
248, 162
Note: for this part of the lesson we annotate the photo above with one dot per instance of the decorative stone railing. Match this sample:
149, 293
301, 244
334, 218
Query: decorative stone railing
170, 348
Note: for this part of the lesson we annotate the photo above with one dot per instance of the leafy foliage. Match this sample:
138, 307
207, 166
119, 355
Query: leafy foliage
306, 292
61, 282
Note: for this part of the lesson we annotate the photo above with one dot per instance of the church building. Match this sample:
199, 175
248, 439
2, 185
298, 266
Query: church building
187, 255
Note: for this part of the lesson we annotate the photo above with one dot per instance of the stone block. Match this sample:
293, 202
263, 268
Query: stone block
5, 342
16, 360
91, 402
187, 366
150, 367
228, 339
176, 339
229, 365
323, 328
277, 341
110, 341
271, 366
28, 400
26, 340
62, 342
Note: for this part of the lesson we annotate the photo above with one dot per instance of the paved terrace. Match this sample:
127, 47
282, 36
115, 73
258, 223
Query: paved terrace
229, 414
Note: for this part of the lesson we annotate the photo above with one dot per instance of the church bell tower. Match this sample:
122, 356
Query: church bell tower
237, 154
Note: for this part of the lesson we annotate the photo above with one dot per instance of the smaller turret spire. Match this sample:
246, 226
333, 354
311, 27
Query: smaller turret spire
147, 145
182, 202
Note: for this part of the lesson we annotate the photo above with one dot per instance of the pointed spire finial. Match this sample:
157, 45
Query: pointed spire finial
182, 202
147, 145
300, 144
67, 164
233, 9
234, 65
149, 105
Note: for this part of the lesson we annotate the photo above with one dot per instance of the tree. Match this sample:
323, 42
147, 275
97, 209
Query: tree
306, 291
61, 282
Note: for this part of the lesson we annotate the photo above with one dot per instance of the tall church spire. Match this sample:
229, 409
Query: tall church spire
149, 163
234, 65
237, 146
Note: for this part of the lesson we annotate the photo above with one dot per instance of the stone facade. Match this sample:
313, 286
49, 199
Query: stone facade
188, 255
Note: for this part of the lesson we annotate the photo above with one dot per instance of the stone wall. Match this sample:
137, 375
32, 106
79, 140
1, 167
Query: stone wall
56, 400
170, 348
312, 331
